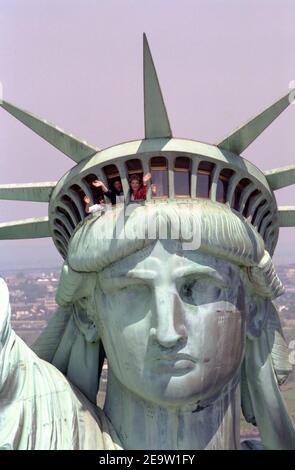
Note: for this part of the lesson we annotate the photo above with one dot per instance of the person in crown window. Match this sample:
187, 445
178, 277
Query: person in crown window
115, 194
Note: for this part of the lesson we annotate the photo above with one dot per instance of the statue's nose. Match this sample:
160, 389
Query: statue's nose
170, 318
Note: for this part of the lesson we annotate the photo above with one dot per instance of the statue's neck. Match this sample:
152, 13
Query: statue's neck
144, 425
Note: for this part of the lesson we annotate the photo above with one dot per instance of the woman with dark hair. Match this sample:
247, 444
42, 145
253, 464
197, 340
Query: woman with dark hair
138, 187
115, 194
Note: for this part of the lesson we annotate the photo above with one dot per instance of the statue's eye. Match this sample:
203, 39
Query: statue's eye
200, 291
187, 290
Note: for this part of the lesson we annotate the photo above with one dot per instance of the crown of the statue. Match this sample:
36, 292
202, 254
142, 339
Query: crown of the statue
181, 169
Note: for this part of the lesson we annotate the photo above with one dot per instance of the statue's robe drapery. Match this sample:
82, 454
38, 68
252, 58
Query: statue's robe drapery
39, 408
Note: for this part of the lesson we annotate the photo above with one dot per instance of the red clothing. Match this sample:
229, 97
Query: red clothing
140, 194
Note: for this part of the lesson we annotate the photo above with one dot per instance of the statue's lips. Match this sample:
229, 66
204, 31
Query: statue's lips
176, 363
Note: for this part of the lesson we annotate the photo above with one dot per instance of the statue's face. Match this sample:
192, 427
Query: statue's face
173, 325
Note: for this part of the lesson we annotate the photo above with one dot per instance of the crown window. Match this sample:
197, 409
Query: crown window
222, 184
159, 180
204, 179
134, 167
182, 177
112, 173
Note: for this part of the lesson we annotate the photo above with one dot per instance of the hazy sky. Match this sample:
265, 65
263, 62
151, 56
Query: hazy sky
78, 63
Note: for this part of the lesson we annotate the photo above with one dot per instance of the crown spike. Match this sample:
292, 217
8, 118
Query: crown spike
155, 114
280, 177
286, 216
37, 227
35, 192
74, 148
241, 138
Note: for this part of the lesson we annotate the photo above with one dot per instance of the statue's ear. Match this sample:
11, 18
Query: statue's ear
277, 344
263, 317
256, 314
87, 353
84, 314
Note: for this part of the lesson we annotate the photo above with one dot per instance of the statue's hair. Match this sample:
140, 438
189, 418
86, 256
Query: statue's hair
135, 177
102, 240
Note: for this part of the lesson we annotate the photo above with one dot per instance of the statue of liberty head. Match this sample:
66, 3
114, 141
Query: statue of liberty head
177, 288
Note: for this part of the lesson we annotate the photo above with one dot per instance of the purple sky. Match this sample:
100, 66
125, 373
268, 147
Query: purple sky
78, 63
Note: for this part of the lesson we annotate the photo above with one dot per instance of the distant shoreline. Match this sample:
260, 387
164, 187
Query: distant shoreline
26, 270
